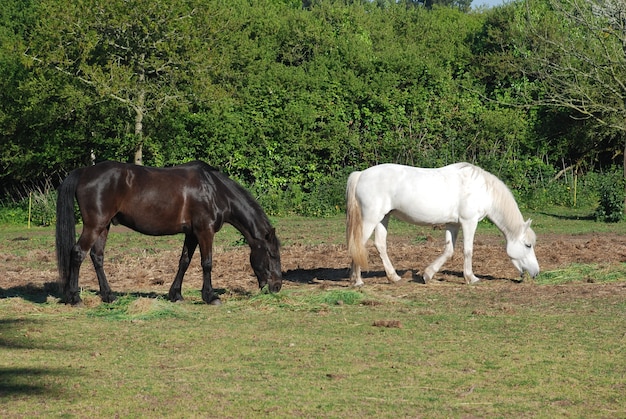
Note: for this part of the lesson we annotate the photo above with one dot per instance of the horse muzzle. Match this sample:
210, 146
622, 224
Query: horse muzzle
275, 285
531, 273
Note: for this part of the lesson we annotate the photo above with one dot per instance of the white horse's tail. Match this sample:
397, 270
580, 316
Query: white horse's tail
354, 223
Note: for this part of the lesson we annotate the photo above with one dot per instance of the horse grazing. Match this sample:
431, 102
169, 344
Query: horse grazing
458, 195
194, 199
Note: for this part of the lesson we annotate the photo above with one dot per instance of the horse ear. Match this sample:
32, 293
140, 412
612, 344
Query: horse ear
527, 224
270, 234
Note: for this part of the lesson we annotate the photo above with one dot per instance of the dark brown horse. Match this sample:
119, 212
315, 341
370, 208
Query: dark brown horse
194, 199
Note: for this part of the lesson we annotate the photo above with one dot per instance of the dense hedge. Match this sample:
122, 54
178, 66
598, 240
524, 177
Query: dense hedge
286, 100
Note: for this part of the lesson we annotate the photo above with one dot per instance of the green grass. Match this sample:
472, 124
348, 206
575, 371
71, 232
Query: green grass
304, 354
590, 273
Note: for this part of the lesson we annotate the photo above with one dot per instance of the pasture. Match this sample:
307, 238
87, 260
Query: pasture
550, 347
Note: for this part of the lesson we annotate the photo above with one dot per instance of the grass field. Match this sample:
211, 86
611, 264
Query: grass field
553, 347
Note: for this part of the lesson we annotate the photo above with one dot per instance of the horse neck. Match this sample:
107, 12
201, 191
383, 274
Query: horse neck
250, 221
504, 212
239, 208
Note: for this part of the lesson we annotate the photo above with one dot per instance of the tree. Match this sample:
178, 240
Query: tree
576, 59
141, 54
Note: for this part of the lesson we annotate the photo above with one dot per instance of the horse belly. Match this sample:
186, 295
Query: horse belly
441, 210
157, 216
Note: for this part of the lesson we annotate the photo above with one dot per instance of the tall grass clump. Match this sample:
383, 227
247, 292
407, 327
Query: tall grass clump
37, 202
129, 307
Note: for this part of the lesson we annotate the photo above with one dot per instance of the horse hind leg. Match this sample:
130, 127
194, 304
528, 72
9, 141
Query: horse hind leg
380, 241
71, 291
97, 257
87, 239
367, 229
452, 231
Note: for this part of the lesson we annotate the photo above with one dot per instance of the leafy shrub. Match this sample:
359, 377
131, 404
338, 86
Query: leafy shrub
611, 195
324, 197
13, 213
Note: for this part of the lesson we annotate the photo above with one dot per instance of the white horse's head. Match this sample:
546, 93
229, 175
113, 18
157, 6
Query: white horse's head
521, 250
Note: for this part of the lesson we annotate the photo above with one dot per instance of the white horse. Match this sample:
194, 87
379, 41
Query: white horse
458, 195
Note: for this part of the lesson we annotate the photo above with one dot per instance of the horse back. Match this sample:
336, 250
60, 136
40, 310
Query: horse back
150, 200
424, 195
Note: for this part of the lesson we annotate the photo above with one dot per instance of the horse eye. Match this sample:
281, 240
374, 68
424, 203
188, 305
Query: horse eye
529, 246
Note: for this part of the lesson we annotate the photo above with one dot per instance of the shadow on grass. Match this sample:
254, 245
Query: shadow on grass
28, 381
306, 276
25, 380
32, 293
482, 277
40, 294
589, 217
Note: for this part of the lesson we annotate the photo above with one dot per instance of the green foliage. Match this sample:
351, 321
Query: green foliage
11, 213
285, 99
611, 196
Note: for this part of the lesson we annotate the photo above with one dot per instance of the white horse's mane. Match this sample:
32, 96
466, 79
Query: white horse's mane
505, 213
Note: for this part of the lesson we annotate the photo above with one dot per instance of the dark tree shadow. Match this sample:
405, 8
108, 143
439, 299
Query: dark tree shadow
32, 293
25, 380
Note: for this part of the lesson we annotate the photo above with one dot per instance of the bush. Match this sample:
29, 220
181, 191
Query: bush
14, 214
610, 188
324, 197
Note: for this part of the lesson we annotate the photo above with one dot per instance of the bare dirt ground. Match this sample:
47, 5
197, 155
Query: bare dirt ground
326, 266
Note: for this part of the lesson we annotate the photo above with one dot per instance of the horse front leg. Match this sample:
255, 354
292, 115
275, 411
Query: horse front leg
380, 242
189, 247
452, 231
206, 251
97, 257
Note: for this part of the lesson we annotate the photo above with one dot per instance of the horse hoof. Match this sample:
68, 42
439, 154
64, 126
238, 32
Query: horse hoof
108, 298
74, 301
394, 278
216, 302
175, 298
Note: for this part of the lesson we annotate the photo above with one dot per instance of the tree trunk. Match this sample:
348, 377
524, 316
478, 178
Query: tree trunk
139, 112
139, 137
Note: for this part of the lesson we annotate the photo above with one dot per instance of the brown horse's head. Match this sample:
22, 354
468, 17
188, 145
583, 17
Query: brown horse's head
265, 261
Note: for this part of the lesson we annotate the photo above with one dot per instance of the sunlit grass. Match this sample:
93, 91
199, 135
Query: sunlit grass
320, 353
591, 273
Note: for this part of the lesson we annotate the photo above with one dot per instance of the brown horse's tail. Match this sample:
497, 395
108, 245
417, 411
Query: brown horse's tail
354, 223
66, 224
